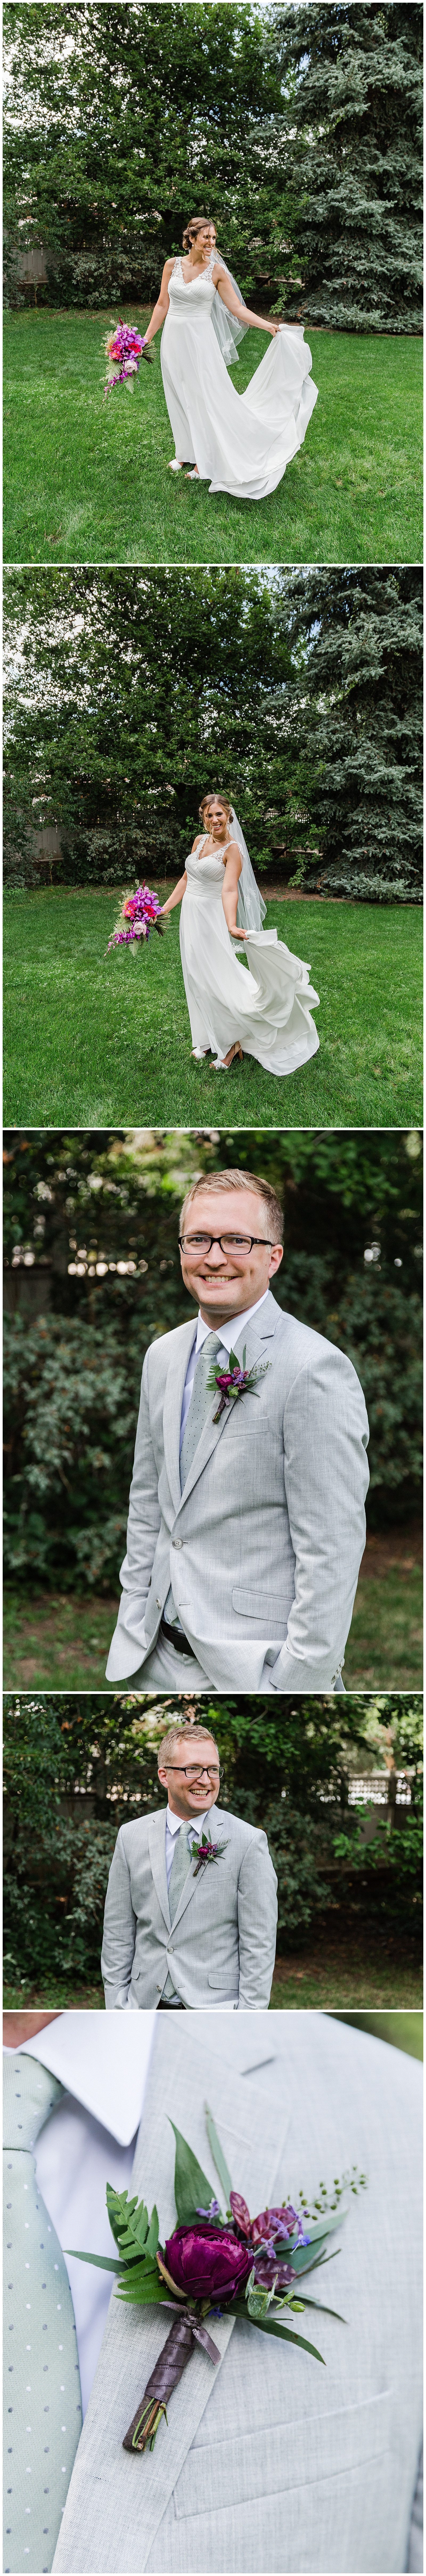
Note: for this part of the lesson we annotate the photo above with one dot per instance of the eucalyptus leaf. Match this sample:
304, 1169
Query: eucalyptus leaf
269, 2325
218, 2155
193, 2191
324, 2312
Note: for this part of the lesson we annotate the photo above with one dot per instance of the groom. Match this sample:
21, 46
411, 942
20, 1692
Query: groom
179, 1930
246, 1522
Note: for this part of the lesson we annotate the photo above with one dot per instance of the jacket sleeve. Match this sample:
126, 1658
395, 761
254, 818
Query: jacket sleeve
257, 1924
118, 1946
128, 1642
326, 1478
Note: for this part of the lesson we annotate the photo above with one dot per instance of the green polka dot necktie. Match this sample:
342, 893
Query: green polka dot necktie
42, 2378
202, 1403
180, 1869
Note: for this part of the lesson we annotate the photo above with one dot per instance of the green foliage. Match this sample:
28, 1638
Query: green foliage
350, 125
216, 2151
126, 119
300, 134
171, 668
359, 702
192, 2189
297, 693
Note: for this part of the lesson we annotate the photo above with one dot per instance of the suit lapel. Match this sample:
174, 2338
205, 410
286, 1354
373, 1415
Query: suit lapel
157, 1854
173, 1395
132, 2495
257, 1337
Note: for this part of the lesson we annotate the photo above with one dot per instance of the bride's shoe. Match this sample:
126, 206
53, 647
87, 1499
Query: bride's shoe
199, 1054
193, 476
221, 1066
175, 464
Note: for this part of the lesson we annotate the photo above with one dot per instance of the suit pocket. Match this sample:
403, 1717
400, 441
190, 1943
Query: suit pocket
263, 1606
288, 2453
225, 1976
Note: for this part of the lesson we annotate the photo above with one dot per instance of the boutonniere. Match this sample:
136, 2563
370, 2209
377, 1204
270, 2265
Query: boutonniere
216, 2263
206, 1850
235, 1381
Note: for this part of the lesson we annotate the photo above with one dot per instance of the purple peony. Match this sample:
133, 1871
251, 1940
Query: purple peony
206, 2264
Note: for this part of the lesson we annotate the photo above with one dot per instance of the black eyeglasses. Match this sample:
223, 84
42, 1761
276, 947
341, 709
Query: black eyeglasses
195, 1770
193, 1243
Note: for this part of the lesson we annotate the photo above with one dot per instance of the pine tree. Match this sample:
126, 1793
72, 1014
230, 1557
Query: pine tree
361, 711
351, 73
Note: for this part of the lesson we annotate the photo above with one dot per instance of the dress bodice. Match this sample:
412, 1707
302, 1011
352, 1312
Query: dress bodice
205, 874
184, 293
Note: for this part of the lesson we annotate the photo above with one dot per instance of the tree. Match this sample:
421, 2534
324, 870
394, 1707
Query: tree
351, 126
298, 693
170, 668
360, 708
126, 117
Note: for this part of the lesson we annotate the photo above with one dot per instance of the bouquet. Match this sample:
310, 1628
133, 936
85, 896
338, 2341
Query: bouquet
142, 914
215, 2263
124, 347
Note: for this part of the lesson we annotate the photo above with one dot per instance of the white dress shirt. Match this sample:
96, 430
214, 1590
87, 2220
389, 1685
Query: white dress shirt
88, 2141
228, 1332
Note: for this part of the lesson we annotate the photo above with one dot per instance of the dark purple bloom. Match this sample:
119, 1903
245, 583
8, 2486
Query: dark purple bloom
207, 2264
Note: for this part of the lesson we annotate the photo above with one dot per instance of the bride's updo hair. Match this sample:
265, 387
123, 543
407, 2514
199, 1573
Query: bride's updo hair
214, 798
196, 225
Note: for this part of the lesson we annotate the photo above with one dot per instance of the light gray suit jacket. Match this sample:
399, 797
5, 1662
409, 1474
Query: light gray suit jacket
263, 1547
221, 1946
270, 2462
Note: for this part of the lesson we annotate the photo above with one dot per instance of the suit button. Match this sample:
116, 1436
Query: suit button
158, 1604
177, 1542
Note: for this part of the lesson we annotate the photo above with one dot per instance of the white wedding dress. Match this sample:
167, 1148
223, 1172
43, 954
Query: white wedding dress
268, 1008
240, 442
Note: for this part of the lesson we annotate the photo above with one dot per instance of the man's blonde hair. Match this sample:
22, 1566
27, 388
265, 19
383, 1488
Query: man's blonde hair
197, 1734
237, 1180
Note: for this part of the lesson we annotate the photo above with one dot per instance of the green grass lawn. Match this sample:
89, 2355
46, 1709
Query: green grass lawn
351, 1973
93, 1040
385, 1644
53, 1642
318, 1987
87, 482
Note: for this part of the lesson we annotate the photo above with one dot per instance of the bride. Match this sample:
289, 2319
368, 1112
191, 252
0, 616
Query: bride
265, 1011
239, 443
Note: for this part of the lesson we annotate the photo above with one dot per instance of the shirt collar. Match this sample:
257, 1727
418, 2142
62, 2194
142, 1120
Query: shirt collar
174, 1822
227, 1331
102, 2059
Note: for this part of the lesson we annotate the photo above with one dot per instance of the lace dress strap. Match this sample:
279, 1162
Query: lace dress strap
205, 836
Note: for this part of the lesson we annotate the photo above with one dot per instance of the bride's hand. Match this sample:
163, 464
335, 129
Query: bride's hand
273, 327
238, 934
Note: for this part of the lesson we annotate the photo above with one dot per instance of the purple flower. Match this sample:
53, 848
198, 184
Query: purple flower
207, 2264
